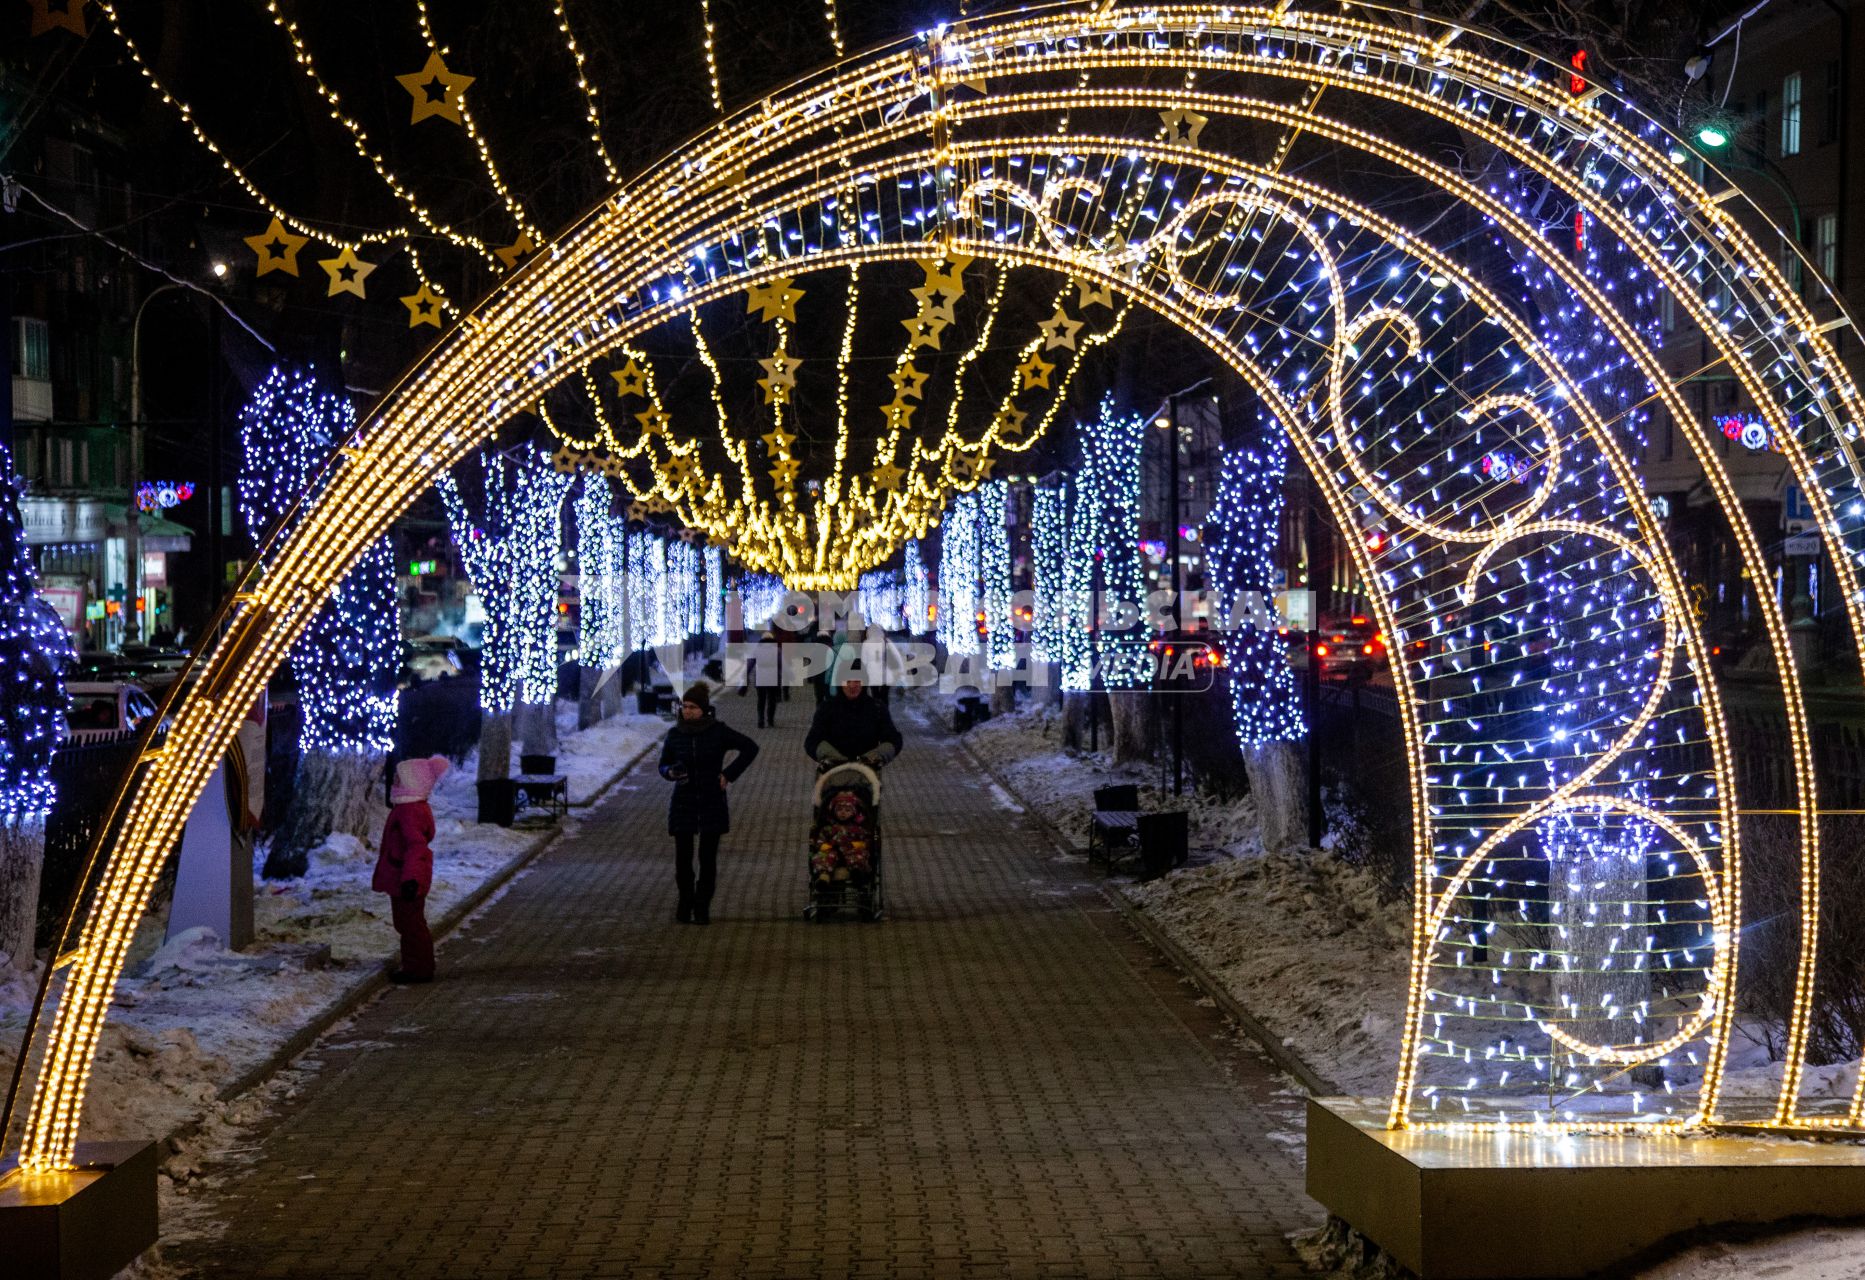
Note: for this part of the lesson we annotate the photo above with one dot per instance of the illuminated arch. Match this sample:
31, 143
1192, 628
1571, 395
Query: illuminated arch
951, 140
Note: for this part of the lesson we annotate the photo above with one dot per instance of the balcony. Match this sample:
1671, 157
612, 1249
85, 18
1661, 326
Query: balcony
32, 400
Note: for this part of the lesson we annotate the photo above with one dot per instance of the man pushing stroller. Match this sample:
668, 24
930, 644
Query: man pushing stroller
851, 737
852, 725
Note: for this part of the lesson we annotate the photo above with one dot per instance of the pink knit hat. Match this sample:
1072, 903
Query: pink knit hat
415, 779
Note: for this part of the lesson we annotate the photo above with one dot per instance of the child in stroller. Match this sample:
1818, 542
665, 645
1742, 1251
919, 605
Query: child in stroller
845, 842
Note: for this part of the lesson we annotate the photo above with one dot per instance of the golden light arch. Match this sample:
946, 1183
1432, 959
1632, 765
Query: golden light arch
952, 140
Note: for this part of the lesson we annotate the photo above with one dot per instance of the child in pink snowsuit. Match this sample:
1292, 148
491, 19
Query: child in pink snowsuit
405, 869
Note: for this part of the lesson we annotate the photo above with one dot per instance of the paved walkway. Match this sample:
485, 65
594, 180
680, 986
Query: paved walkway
998, 1081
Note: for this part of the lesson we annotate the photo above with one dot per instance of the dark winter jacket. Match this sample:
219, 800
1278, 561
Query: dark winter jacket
406, 854
692, 759
853, 726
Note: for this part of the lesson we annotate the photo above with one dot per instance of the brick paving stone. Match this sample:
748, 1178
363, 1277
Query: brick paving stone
999, 1080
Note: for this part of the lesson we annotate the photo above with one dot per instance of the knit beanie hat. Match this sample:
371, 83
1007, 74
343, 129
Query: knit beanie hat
700, 695
415, 779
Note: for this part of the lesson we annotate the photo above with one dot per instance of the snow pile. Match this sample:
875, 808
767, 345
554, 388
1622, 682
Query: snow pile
191, 1017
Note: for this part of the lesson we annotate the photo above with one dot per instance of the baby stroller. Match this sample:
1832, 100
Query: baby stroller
845, 843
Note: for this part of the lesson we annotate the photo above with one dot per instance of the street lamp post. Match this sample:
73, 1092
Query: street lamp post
132, 541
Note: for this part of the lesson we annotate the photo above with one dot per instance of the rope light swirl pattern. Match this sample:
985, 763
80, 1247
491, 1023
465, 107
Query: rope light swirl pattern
894, 136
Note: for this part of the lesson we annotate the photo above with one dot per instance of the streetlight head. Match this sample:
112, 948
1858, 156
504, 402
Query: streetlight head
1164, 424
220, 269
1711, 135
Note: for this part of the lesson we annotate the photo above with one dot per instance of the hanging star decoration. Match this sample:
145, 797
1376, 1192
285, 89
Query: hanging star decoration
774, 300
780, 378
277, 249
638, 511
785, 472
423, 306
1034, 372
630, 380
908, 381
566, 459
939, 298
887, 477
436, 91
778, 441
50, 15
658, 505
347, 273
899, 414
1009, 421
522, 247
654, 422
1059, 330
1183, 125
946, 270
1090, 294
923, 330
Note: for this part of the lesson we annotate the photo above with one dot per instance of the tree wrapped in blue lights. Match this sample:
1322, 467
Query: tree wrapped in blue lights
1104, 554
994, 570
347, 662
35, 652
1246, 535
510, 541
1048, 572
915, 597
957, 623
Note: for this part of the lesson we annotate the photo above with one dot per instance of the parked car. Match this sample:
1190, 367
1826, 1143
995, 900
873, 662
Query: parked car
428, 658
1353, 647
102, 710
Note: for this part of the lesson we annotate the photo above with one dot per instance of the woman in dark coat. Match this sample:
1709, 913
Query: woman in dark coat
693, 759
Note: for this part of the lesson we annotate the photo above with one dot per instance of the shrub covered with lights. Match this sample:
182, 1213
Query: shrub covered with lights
347, 663
35, 652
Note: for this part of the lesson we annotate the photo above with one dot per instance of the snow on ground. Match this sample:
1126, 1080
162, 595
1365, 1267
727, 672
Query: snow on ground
191, 1017
1313, 948
1252, 920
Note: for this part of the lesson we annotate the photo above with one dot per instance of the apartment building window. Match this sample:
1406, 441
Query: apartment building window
1791, 266
1790, 115
1826, 245
1667, 311
32, 349
1829, 123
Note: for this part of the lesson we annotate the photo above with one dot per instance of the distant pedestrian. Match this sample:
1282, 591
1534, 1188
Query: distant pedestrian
405, 868
693, 759
770, 683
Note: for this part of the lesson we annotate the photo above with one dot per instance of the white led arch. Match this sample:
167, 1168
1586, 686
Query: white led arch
1338, 319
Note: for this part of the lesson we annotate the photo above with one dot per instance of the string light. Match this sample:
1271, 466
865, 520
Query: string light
1246, 534
510, 545
347, 662
693, 230
36, 650
712, 57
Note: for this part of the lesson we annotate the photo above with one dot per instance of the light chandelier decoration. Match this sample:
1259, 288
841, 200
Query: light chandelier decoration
884, 477
1394, 369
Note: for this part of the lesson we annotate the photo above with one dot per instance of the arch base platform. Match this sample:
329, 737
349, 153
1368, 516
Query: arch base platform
1481, 1206
85, 1223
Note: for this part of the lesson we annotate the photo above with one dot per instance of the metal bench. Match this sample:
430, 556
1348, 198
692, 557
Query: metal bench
501, 799
1116, 821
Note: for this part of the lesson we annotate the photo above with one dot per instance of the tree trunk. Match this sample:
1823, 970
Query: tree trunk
332, 793
495, 746
1134, 724
596, 698
22, 855
537, 728
1275, 773
1047, 691
1595, 973
1077, 708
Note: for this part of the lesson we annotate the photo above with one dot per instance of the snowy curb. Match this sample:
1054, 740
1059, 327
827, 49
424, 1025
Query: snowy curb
377, 979
1280, 1053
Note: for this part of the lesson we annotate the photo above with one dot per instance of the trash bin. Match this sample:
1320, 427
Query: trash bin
1165, 842
498, 801
537, 766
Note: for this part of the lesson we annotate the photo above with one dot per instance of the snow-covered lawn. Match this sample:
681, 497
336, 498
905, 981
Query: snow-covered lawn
1314, 949
191, 1018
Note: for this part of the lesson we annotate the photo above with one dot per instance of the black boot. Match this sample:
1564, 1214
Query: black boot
683, 914
702, 915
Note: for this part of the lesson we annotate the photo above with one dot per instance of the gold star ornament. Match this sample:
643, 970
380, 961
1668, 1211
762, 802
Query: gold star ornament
1034, 372
277, 249
436, 92
775, 300
50, 15
630, 380
522, 247
347, 273
1183, 126
1059, 331
423, 307
1091, 294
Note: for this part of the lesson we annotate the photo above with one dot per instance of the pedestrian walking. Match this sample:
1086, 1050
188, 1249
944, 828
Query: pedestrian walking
693, 759
405, 867
852, 725
769, 685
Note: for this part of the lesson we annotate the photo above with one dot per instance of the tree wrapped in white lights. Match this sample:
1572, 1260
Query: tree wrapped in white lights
1245, 537
347, 663
958, 576
602, 593
1048, 572
994, 571
510, 541
915, 596
35, 652
1104, 555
